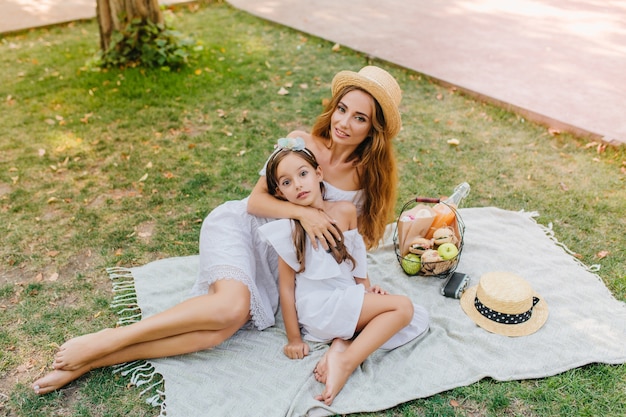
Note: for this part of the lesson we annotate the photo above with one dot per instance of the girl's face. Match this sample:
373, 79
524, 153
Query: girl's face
351, 121
298, 181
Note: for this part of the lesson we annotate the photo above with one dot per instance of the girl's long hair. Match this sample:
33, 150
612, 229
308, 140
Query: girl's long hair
339, 252
376, 168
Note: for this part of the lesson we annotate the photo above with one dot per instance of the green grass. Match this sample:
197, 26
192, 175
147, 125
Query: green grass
103, 168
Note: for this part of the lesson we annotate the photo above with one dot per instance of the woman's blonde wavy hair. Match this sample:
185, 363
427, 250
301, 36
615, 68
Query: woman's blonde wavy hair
376, 168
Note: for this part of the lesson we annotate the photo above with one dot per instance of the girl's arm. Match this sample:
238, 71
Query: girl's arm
295, 348
316, 223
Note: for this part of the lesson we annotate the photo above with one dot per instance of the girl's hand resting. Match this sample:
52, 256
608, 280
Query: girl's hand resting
296, 350
375, 289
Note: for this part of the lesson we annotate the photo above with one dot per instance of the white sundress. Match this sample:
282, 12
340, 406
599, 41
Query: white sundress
328, 300
230, 248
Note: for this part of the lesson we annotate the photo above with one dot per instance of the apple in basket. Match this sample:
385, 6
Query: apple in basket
411, 263
447, 251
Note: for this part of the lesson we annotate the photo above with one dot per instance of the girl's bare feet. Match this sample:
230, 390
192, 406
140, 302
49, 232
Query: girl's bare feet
321, 369
80, 351
57, 379
339, 370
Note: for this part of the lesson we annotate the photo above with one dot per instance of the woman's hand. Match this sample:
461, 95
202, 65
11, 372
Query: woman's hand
320, 227
296, 349
375, 289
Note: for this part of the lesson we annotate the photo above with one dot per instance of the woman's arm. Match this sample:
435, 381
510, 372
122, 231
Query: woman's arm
295, 348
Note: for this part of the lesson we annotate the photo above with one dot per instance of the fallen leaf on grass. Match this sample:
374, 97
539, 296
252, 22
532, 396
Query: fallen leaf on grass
54, 277
244, 117
454, 403
563, 186
454, 142
85, 119
336, 47
26, 366
283, 91
602, 254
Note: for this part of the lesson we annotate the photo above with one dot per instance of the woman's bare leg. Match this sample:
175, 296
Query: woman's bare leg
175, 345
227, 305
381, 317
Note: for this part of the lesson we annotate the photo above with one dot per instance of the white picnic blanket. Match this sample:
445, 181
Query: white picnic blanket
249, 375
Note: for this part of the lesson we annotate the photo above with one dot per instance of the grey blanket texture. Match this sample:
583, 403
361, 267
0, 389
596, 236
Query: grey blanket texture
248, 375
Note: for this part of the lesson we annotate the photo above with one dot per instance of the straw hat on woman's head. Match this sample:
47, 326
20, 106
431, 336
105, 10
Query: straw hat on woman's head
505, 303
382, 86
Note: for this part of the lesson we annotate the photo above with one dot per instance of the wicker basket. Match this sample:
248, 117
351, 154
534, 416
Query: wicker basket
441, 268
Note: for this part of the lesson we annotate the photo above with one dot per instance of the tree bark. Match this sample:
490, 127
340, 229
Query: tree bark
115, 15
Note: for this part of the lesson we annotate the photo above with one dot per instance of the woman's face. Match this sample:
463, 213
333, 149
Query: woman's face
351, 121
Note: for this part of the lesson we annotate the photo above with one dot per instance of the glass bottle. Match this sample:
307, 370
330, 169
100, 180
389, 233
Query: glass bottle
445, 216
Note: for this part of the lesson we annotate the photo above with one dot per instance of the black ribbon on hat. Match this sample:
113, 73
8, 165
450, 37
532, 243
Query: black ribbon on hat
504, 318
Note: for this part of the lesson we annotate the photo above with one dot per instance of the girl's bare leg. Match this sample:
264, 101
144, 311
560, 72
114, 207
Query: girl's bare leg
321, 369
227, 304
381, 317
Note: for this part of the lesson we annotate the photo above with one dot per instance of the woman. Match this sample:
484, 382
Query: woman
237, 280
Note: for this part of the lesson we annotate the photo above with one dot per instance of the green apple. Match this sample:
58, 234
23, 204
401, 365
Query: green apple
447, 251
411, 263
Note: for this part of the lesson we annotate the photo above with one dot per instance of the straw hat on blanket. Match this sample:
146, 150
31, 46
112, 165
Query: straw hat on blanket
504, 303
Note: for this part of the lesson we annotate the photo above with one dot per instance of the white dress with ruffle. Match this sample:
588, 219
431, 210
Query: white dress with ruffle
230, 248
328, 299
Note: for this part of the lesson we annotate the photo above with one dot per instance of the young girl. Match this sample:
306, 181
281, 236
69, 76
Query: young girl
328, 292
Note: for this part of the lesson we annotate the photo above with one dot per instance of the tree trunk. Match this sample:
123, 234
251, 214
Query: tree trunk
115, 15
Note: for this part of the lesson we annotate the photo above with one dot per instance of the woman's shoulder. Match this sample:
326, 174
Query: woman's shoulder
300, 134
312, 142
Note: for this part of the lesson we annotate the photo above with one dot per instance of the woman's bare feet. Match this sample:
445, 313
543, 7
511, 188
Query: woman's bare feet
321, 369
57, 379
339, 369
80, 351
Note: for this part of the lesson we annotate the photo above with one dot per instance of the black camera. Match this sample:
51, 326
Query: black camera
454, 286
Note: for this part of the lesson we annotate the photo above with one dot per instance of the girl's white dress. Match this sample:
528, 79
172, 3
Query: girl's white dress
328, 300
230, 248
